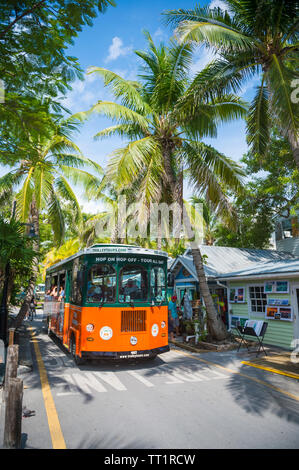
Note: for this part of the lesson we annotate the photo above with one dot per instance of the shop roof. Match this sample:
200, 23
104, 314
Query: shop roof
227, 262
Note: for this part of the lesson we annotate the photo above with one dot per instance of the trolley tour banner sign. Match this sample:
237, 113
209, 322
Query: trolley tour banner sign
129, 259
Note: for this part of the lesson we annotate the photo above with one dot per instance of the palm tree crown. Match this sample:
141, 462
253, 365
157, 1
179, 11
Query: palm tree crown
250, 38
164, 132
45, 175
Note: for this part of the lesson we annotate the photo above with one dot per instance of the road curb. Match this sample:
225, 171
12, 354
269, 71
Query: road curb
187, 347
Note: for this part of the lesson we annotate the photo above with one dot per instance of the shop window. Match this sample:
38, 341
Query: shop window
258, 299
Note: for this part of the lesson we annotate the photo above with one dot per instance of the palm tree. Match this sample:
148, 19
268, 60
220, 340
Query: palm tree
209, 218
69, 248
251, 39
53, 163
164, 140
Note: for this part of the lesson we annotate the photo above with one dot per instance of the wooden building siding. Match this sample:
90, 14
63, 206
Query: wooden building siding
279, 332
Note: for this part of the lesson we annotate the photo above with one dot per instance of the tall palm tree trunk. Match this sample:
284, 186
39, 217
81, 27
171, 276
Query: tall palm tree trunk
34, 218
216, 326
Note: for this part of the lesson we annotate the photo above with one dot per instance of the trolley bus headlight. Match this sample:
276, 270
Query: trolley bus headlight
89, 327
163, 324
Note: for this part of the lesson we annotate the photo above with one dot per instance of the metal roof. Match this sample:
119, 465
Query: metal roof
226, 262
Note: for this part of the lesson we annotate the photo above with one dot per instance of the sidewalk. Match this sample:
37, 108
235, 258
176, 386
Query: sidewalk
280, 363
25, 365
277, 361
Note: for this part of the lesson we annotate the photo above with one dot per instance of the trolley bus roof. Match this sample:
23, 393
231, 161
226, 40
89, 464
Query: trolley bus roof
110, 248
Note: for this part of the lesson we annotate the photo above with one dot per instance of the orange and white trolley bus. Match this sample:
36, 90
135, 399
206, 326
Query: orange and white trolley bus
109, 301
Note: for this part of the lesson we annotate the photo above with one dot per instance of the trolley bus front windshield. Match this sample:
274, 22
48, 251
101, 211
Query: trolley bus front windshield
101, 286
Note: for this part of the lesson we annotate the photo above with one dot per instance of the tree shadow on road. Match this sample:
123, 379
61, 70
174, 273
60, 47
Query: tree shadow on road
252, 389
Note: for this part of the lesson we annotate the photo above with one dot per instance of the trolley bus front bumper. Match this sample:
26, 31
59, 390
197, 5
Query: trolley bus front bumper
125, 354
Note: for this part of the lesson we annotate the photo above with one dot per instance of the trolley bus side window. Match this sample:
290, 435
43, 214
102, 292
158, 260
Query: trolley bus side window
101, 285
77, 282
133, 283
158, 284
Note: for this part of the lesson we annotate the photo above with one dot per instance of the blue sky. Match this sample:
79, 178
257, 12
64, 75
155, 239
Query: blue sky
110, 43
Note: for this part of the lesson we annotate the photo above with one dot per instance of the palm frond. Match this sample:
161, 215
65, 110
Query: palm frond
65, 191
24, 197
218, 36
56, 219
279, 78
131, 131
258, 122
207, 166
126, 163
126, 90
118, 113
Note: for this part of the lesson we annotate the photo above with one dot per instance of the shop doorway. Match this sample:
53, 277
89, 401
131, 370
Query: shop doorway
219, 295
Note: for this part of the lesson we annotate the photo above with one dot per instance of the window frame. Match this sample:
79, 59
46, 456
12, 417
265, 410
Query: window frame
136, 266
75, 299
251, 311
153, 298
115, 284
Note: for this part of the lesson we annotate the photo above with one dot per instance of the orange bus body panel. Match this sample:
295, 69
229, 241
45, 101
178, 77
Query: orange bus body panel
123, 321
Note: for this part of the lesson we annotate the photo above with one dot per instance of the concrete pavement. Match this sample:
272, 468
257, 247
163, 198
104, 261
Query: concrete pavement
87, 396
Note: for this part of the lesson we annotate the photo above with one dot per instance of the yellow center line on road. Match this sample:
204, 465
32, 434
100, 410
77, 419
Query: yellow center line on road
232, 371
53, 421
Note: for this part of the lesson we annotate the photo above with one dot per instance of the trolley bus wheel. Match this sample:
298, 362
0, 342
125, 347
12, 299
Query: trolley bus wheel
78, 360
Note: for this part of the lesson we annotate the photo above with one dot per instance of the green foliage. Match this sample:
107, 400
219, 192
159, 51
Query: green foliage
275, 193
34, 67
251, 39
163, 132
14, 247
52, 163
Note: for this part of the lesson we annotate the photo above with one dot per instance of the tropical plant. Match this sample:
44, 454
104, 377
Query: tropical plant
210, 219
164, 140
267, 197
16, 259
251, 38
56, 254
53, 163
34, 63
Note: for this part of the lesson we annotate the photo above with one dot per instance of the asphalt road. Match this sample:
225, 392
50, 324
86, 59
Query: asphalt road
179, 401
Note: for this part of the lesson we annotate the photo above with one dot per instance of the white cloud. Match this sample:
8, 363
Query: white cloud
218, 4
202, 57
116, 49
159, 34
85, 93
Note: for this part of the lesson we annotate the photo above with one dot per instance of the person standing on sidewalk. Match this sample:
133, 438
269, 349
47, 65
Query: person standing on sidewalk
173, 314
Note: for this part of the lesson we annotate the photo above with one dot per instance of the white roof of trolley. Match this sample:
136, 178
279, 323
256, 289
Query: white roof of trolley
102, 248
